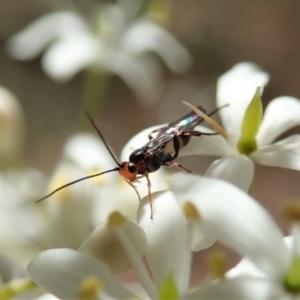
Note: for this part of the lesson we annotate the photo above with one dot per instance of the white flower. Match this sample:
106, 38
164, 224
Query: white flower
69, 212
19, 185
117, 246
68, 217
117, 42
74, 211
214, 210
19, 216
250, 138
218, 210
285, 284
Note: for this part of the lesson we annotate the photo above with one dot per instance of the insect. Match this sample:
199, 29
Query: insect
161, 150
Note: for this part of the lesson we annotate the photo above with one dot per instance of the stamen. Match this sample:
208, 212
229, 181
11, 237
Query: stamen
191, 212
292, 211
218, 265
90, 288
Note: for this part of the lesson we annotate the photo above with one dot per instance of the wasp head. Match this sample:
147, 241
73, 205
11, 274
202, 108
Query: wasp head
129, 171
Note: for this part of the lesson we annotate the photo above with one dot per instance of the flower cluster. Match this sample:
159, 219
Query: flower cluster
76, 244
116, 41
191, 213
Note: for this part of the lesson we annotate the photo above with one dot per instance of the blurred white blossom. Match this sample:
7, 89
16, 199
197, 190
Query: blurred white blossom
19, 186
196, 212
115, 247
282, 284
74, 211
19, 223
117, 41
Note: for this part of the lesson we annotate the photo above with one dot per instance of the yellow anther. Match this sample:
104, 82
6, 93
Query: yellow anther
292, 211
90, 288
115, 220
218, 265
59, 180
191, 212
160, 11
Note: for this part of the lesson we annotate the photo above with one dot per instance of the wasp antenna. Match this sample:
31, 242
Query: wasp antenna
75, 181
103, 139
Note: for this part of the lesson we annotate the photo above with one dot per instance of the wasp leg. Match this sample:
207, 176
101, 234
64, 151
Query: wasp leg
176, 146
196, 133
167, 157
171, 162
149, 195
134, 187
175, 164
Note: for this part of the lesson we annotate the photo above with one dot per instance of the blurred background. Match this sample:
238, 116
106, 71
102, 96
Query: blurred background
217, 34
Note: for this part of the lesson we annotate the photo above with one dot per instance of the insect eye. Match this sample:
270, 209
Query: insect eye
132, 168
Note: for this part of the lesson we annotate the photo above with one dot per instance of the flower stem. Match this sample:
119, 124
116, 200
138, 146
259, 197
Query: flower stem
96, 84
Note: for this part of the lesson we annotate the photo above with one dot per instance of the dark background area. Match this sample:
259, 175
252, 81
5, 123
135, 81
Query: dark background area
218, 33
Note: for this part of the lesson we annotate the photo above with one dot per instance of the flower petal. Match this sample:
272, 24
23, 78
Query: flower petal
233, 217
238, 170
145, 35
239, 289
88, 152
214, 145
245, 268
69, 55
168, 252
61, 272
236, 88
281, 114
289, 159
105, 245
142, 75
47, 297
69, 211
31, 41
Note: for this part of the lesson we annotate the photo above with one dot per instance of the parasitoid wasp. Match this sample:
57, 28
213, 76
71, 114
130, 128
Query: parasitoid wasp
161, 150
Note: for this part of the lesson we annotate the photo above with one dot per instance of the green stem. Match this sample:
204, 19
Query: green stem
96, 84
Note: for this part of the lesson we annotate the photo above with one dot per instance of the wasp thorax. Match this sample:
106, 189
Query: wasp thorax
137, 155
